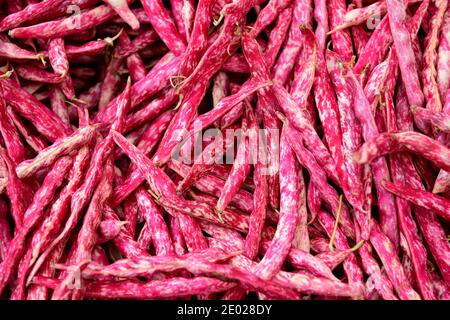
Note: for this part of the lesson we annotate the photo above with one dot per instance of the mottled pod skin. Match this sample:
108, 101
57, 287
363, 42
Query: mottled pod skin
61, 147
414, 142
429, 73
164, 25
403, 48
443, 63
161, 239
26, 105
32, 216
110, 186
289, 203
301, 15
380, 170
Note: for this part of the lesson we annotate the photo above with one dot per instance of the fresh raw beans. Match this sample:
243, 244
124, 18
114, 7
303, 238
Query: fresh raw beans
228, 149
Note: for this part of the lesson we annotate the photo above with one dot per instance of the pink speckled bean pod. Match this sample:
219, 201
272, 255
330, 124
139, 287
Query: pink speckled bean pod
206, 161
357, 16
130, 213
64, 27
164, 25
14, 147
370, 266
184, 119
429, 225
298, 118
198, 39
417, 251
341, 40
351, 135
277, 36
111, 78
242, 200
87, 236
413, 141
429, 72
273, 125
156, 80
438, 119
301, 239
435, 237
231, 218
332, 259
380, 170
440, 287
149, 139
177, 236
327, 107
11, 51
91, 48
122, 9
393, 267
305, 70
52, 223
177, 130
58, 57
222, 47
46, 9
376, 82
301, 15
318, 176
360, 38
155, 107
45, 121
61, 147
136, 67
289, 197
124, 243
268, 14
32, 73
134, 62
220, 87
164, 189
322, 28
184, 14
32, 216
14, 188
37, 143
241, 166
155, 222
427, 200
442, 183
443, 61
258, 215
5, 230
375, 49
313, 200
58, 104
159, 289
301, 282
92, 177
403, 48
351, 266
303, 260
416, 248
147, 266
145, 238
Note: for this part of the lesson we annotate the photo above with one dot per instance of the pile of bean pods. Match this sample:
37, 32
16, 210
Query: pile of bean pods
224, 149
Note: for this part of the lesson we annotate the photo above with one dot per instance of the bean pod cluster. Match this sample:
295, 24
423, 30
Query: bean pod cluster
224, 149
